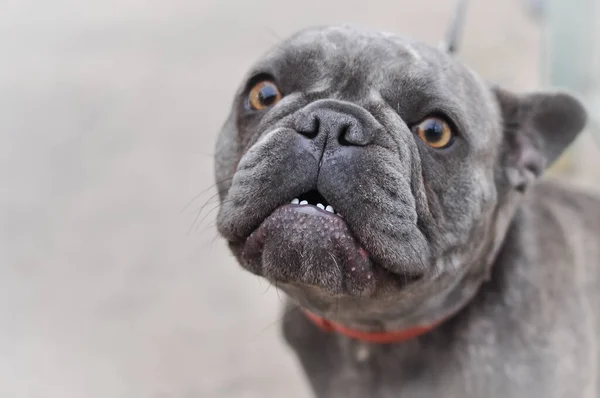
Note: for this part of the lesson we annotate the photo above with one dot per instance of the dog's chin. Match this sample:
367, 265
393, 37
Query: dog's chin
303, 245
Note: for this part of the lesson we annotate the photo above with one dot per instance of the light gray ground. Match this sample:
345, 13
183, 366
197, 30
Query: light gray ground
108, 113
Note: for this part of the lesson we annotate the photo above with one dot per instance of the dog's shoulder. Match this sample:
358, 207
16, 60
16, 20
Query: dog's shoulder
558, 223
565, 193
551, 257
557, 201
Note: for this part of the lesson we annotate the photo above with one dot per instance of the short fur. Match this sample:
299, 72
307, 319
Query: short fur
467, 230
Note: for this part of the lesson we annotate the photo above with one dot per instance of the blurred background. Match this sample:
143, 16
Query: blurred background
109, 112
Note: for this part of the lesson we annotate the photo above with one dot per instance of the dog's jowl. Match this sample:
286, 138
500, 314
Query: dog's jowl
395, 196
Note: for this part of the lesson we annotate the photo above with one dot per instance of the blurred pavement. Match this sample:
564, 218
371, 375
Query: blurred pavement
109, 111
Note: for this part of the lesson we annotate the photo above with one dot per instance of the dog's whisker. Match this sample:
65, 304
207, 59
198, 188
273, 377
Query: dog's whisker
195, 224
268, 287
207, 154
277, 290
208, 214
197, 196
334, 261
210, 244
211, 225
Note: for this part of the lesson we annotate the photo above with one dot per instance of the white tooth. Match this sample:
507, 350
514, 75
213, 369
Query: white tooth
304, 202
329, 209
320, 206
295, 201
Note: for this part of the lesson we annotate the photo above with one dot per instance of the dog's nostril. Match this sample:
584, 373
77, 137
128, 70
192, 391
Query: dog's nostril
354, 134
343, 135
343, 128
310, 129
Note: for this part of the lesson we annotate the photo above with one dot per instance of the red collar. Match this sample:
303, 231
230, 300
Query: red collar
396, 336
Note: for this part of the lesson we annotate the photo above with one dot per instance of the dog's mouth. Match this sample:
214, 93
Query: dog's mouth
315, 199
307, 242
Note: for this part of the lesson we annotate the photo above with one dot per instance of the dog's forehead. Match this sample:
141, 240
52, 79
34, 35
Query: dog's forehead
348, 52
342, 42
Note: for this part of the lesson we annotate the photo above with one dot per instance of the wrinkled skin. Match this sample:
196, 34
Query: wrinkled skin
422, 230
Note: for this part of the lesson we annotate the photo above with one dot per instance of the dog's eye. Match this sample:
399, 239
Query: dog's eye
435, 132
263, 95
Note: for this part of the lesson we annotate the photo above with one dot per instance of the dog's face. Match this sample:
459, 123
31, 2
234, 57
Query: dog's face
368, 174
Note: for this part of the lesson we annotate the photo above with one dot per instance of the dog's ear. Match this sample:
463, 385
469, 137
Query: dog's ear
537, 129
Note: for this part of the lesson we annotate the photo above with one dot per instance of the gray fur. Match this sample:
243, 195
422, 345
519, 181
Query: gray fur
465, 230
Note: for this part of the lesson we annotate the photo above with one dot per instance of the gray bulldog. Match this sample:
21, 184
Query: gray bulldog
394, 196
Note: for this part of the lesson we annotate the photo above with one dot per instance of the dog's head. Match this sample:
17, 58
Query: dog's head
369, 175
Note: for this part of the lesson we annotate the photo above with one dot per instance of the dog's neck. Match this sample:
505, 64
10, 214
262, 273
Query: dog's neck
435, 312
383, 337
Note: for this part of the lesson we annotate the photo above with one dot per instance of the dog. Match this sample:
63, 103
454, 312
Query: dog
395, 197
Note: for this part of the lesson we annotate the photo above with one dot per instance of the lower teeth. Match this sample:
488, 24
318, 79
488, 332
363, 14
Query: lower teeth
321, 206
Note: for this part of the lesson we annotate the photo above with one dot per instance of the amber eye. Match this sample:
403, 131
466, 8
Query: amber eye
435, 132
263, 95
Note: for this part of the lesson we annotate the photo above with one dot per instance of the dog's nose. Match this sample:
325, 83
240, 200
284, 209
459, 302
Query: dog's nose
346, 123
